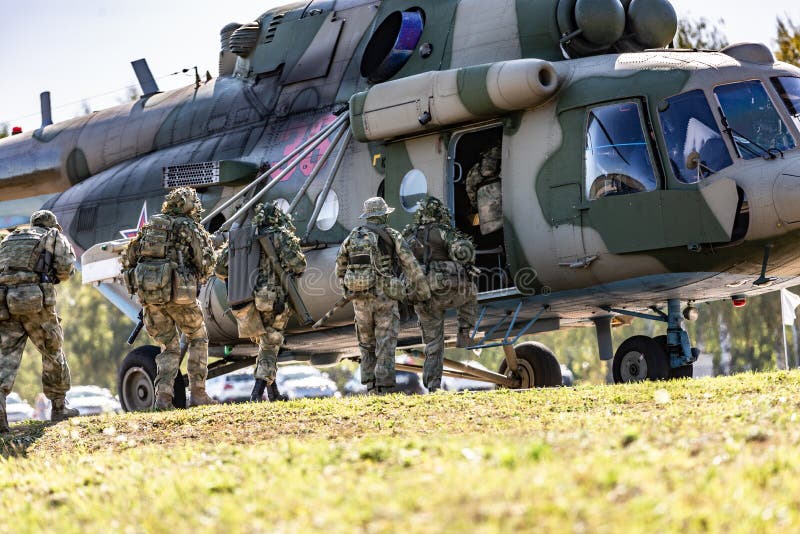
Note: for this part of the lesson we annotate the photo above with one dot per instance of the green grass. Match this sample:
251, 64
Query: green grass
707, 455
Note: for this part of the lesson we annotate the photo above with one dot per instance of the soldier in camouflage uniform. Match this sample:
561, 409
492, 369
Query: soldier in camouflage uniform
447, 257
271, 306
165, 263
32, 261
485, 191
367, 269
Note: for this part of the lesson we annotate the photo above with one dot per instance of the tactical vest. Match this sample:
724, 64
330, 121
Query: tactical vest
428, 245
369, 258
23, 250
156, 240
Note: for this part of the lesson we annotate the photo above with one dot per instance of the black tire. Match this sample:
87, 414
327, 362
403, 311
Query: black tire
136, 381
538, 366
685, 371
641, 358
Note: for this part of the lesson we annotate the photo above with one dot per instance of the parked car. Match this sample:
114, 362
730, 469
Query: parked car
450, 383
304, 381
92, 400
17, 409
407, 382
233, 387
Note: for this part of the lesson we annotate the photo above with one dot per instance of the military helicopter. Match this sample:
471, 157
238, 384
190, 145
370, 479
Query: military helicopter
636, 179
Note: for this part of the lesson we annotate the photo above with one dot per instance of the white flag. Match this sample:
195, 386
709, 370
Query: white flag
789, 302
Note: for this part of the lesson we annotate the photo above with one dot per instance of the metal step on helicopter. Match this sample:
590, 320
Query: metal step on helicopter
637, 179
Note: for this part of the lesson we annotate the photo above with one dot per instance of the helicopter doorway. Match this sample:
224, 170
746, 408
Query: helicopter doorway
466, 153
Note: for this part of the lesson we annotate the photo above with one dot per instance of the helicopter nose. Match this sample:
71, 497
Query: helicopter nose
786, 193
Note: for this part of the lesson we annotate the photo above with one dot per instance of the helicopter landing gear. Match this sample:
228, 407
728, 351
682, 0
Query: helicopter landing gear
136, 381
663, 357
536, 366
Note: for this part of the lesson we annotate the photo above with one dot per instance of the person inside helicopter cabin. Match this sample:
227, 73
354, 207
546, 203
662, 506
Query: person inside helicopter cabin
447, 257
368, 267
265, 319
485, 191
171, 256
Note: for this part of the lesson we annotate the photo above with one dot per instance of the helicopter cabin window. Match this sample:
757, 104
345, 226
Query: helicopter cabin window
754, 123
617, 159
789, 90
413, 188
695, 145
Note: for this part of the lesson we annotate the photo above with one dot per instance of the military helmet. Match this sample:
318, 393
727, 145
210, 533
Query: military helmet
375, 207
183, 200
45, 219
431, 209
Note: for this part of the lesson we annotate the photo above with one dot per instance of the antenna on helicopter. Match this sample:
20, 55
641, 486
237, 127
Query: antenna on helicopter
146, 81
47, 113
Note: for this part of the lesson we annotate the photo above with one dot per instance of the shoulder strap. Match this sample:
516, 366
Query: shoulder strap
383, 235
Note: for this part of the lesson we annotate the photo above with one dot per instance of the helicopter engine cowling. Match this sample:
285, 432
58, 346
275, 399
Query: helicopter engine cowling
430, 100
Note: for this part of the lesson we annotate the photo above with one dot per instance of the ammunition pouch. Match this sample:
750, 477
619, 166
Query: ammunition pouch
446, 276
25, 299
266, 299
4, 315
154, 282
395, 288
184, 287
248, 319
359, 280
129, 277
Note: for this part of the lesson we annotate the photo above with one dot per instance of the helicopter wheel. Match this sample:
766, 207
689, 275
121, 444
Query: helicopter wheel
641, 358
537, 366
136, 381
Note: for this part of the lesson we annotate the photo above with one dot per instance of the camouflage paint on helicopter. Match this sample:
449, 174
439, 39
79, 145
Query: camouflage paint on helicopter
629, 177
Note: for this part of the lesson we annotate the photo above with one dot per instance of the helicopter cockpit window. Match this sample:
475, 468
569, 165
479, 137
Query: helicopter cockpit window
755, 125
617, 157
692, 134
789, 89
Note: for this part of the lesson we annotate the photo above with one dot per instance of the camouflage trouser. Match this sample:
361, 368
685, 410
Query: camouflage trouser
44, 330
377, 327
431, 321
162, 323
269, 344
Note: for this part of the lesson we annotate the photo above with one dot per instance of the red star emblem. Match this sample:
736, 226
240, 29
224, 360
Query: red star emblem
131, 232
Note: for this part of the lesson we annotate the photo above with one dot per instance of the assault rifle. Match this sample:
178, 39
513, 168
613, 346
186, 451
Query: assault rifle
287, 280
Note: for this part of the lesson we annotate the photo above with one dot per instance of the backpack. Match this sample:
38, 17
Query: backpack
23, 250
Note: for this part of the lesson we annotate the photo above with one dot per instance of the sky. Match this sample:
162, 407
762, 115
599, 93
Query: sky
80, 50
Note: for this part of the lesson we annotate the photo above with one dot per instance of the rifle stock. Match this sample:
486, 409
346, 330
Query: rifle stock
287, 280
336, 307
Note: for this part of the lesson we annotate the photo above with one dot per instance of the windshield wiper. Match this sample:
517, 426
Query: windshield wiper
768, 153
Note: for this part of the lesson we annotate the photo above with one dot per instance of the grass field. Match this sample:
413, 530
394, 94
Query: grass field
706, 455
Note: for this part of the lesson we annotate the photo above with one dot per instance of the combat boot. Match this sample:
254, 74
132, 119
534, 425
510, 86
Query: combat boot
463, 338
257, 395
164, 402
60, 412
3, 419
199, 397
274, 394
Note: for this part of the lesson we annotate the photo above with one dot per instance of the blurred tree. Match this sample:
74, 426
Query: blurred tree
788, 41
701, 34
3, 130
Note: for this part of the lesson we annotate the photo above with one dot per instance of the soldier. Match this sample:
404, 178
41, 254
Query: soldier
367, 269
165, 263
447, 257
32, 261
485, 191
272, 311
